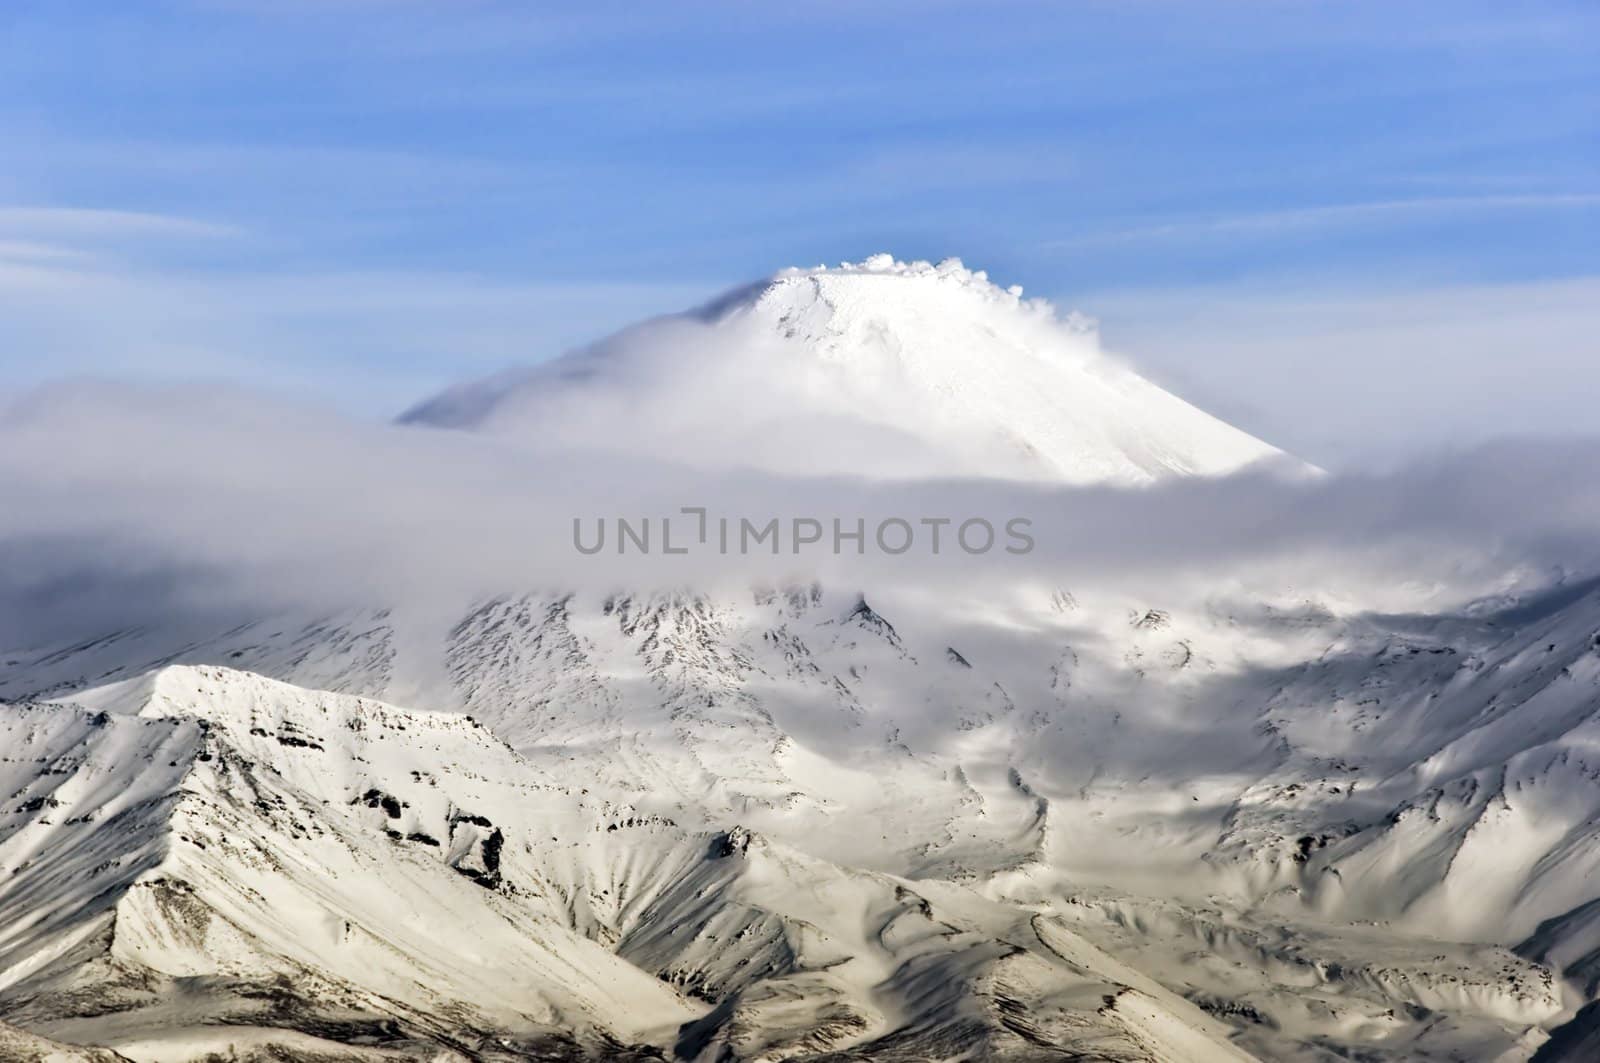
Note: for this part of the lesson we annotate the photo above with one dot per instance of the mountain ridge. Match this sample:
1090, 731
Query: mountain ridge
676, 709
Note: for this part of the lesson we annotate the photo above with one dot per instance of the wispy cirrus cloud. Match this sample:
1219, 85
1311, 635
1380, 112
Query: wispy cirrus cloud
95, 222
27, 251
1268, 222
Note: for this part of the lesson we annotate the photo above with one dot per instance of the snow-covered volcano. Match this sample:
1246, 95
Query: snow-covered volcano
873, 368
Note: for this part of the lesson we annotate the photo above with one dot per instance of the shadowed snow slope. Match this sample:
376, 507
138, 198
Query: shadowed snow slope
201, 858
876, 368
1305, 798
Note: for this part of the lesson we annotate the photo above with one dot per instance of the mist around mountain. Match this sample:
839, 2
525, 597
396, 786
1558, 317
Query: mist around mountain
324, 740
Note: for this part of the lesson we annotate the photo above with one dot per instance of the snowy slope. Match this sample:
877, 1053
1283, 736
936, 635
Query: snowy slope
817, 822
243, 841
209, 858
879, 367
1153, 778
24, 1047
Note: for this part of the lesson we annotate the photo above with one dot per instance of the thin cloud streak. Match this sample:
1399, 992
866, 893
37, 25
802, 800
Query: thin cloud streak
97, 222
34, 252
1330, 214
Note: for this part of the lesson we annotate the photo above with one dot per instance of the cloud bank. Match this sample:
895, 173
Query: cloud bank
128, 504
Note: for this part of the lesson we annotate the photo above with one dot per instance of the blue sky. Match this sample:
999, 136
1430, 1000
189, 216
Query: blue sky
361, 200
